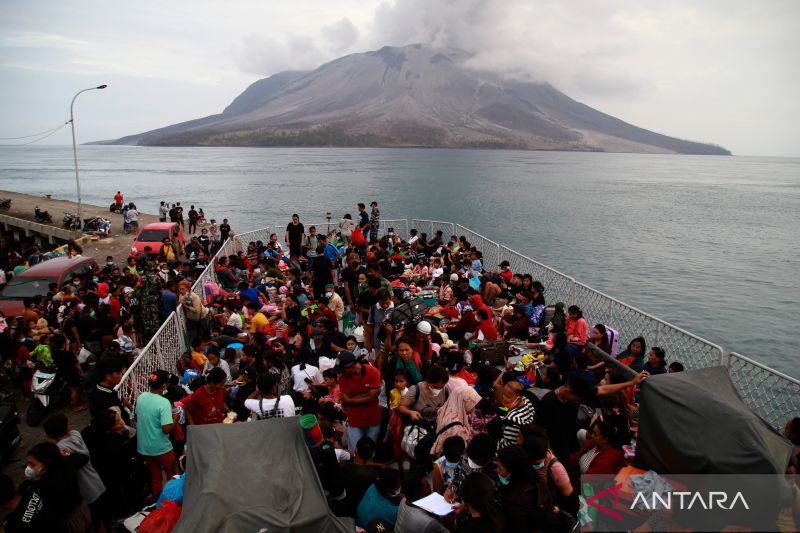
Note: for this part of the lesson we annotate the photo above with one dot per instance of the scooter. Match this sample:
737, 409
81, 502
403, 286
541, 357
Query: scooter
42, 216
71, 221
9, 424
98, 226
5, 204
49, 390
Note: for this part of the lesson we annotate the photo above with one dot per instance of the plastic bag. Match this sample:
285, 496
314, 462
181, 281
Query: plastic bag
357, 238
348, 323
162, 520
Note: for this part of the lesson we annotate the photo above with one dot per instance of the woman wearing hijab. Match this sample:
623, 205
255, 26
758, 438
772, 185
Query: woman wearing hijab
455, 410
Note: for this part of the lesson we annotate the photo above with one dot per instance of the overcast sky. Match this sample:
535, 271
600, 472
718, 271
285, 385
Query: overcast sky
722, 71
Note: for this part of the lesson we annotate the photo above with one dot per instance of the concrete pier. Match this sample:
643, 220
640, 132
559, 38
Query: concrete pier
19, 230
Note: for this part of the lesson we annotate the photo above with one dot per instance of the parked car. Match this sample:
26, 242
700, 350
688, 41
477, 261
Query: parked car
153, 234
37, 279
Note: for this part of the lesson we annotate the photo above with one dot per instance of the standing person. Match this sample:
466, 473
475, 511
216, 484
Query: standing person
208, 404
346, 226
294, 236
118, 200
69, 440
193, 216
224, 231
179, 213
363, 223
103, 396
359, 386
154, 424
374, 220
323, 272
162, 211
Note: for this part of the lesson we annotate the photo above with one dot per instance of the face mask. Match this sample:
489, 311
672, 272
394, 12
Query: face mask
395, 493
450, 465
539, 466
328, 294
472, 464
503, 480
404, 391
436, 392
31, 473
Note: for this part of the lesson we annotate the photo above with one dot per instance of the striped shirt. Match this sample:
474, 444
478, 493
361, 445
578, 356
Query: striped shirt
513, 422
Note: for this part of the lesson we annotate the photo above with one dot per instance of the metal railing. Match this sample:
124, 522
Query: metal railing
772, 394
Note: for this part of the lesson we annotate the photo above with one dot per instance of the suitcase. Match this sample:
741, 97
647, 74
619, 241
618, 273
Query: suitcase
493, 353
613, 340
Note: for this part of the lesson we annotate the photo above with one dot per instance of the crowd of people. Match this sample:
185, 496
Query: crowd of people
319, 324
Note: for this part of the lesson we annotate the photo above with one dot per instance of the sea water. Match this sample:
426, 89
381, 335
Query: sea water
708, 243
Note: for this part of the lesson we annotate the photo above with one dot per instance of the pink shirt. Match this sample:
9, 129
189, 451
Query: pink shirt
577, 331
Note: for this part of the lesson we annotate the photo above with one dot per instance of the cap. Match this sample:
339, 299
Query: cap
346, 360
330, 286
250, 371
504, 264
328, 429
424, 327
453, 277
158, 378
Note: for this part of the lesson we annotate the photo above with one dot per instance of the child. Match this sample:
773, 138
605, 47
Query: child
351, 344
401, 381
41, 353
329, 379
445, 466
394, 431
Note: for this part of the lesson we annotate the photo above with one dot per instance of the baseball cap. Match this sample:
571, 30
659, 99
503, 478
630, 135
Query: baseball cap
330, 286
250, 371
346, 360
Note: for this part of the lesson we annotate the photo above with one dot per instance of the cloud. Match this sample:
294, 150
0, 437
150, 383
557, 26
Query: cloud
341, 35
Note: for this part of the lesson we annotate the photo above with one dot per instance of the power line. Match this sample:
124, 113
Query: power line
35, 134
41, 138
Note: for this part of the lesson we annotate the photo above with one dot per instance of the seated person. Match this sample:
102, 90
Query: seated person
381, 499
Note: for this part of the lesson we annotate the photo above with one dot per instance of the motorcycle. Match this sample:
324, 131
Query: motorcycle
9, 424
5, 204
71, 221
49, 390
98, 226
42, 216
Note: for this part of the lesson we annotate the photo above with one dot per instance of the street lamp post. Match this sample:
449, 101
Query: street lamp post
74, 146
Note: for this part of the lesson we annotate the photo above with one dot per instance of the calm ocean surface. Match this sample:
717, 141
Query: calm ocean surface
710, 244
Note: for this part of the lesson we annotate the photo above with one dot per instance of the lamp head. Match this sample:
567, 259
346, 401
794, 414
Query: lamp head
101, 86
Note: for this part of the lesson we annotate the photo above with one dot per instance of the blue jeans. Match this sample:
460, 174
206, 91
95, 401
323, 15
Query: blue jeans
355, 434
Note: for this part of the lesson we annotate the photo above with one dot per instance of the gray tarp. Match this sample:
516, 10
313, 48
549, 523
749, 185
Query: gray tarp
257, 476
696, 423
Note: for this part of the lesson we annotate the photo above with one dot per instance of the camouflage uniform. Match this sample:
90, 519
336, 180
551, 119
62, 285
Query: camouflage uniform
147, 296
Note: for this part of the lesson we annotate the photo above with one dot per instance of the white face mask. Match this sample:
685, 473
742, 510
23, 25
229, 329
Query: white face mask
31, 473
404, 391
472, 464
328, 294
436, 392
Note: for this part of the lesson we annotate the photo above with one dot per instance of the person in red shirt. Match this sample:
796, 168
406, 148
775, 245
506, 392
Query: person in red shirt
359, 387
118, 200
485, 326
208, 405
505, 271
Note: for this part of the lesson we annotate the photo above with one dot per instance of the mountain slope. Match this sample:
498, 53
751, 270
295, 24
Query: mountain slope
411, 96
